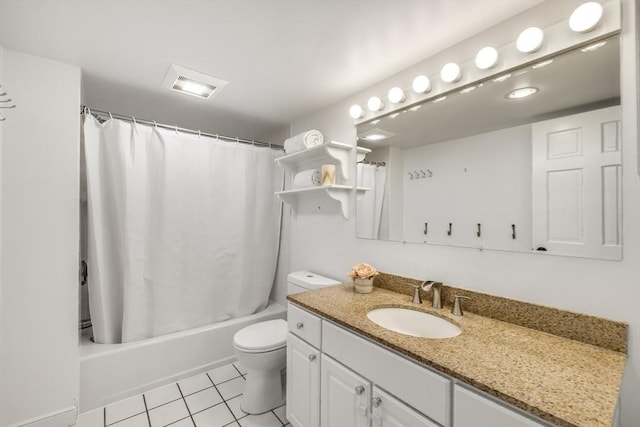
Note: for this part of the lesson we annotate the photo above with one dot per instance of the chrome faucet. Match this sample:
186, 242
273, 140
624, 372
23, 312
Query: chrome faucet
436, 287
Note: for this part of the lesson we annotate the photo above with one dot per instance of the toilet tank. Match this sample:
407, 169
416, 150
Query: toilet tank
300, 281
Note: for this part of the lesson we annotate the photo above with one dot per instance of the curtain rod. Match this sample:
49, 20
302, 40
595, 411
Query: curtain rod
107, 114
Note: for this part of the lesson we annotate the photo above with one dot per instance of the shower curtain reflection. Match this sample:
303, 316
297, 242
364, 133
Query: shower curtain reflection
370, 205
182, 229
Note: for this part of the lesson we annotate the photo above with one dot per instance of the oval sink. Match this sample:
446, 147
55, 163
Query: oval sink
414, 323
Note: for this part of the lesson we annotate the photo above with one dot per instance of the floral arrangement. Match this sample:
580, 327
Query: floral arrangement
362, 271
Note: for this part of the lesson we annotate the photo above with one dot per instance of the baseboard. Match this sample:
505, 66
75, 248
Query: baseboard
65, 417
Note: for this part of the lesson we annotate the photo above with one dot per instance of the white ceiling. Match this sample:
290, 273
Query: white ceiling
282, 59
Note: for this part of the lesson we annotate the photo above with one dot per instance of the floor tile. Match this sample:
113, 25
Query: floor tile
203, 399
264, 420
162, 395
223, 373
169, 413
216, 416
124, 409
139, 420
231, 388
185, 422
93, 418
281, 413
234, 405
194, 384
240, 368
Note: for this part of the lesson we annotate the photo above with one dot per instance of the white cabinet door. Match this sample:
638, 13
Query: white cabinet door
303, 383
344, 396
576, 184
387, 411
470, 409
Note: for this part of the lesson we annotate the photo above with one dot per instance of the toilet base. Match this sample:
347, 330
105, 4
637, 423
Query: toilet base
262, 392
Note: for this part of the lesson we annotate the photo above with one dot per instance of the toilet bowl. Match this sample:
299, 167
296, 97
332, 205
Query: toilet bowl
262, 349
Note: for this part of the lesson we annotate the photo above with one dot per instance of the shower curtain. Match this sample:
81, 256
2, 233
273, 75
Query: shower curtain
182, 229
370, 204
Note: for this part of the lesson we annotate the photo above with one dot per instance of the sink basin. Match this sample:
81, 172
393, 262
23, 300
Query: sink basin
414, 323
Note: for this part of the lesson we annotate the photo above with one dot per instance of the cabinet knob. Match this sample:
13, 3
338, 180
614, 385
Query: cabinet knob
299, 325
359, 390
376, 402
312, 357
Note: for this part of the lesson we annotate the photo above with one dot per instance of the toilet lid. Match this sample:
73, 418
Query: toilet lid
262, 336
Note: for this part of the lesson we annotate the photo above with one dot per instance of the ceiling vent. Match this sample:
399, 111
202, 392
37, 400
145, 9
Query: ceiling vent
192, 82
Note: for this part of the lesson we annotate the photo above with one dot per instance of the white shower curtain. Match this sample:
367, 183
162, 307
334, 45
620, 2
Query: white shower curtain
182, 229
369, 205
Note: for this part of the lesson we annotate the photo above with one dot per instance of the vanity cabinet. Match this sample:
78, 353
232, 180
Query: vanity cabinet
303, 383
347, 380
471, 409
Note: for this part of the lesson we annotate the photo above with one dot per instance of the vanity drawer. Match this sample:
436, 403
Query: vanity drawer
304, 324
419, 387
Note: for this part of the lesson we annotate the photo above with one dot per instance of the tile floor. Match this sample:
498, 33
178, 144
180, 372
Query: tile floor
211, 399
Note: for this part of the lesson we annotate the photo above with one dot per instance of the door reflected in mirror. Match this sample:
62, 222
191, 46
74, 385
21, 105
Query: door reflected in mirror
529, 161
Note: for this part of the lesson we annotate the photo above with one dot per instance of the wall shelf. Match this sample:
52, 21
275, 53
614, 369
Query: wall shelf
329, 153
339, 193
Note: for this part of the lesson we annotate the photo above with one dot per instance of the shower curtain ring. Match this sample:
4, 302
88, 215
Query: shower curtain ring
199, 133
134, 121
176, 129
110, 115
237, 140
155, 124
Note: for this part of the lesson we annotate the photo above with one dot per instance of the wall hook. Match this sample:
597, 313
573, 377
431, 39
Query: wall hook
429, 173
10, 106
479, 232
423, 173
449, 230
410, 175
5, 100
513, 231
426, 225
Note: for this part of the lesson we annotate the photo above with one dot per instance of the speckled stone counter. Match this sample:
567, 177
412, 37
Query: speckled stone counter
564, 381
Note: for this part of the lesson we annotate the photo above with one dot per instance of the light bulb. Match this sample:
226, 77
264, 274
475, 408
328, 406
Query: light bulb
421, 84
375, 104
585, 17
450, 73
396, 95
356, 111
486, 58
530, 40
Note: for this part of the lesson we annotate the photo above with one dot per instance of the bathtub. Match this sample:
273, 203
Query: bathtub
110, 372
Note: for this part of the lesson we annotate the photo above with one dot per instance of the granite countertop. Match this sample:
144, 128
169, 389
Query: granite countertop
563, 381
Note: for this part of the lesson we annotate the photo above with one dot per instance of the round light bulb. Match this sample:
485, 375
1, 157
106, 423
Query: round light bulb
585, 17
356, 111
396, 95
375, 104
450, 73
486, 58
421, 84
530, 40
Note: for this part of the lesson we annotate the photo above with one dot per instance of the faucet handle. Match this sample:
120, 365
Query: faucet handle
417, 299
457, 305
427, 284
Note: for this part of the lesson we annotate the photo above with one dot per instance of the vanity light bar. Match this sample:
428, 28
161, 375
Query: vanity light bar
585, 18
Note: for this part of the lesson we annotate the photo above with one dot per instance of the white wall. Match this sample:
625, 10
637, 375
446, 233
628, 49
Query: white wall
326, 243
38, 283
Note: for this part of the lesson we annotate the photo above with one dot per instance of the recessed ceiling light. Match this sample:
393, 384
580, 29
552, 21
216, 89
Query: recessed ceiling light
376, 134
191, 82
522, 92
593, 47
585, 17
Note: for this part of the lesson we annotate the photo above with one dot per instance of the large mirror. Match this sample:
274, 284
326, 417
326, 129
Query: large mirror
485, 168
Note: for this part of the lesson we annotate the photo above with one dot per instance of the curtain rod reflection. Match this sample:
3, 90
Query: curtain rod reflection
367, 162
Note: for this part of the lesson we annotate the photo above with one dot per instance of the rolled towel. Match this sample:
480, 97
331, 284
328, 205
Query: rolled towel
308, 178
303, 140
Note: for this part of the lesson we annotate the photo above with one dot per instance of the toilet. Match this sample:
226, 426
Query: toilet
262, 349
